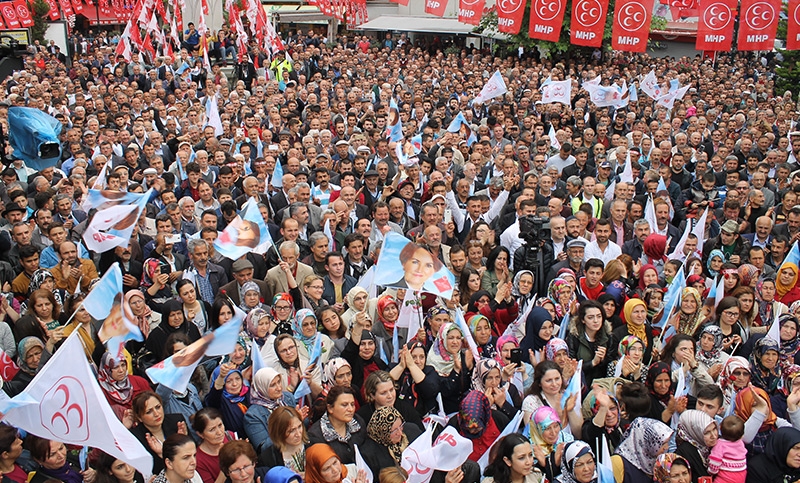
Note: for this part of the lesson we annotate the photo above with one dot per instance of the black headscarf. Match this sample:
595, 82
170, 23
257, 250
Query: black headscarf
473, 301
771, 467
536, 319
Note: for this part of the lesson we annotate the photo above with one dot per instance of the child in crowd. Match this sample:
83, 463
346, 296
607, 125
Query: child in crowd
728, 457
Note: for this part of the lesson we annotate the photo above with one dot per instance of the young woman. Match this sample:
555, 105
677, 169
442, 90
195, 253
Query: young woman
547, 433
538, 332
289, 440
110, 469
679, 353
180, 461
154, 427
379, 392
468, 283
208, 426
512, 462
630, 364
417, 382
388, 313
747, 307
221, 312
497, 272
194, 310
589, 340
727, 317
547, 390
41, 320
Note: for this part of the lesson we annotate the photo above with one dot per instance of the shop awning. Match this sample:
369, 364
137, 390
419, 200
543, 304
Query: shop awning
297, 14
432, 25
98, 18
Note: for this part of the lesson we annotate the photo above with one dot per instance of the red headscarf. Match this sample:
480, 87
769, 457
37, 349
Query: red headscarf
384, 302
654, 247
644, 268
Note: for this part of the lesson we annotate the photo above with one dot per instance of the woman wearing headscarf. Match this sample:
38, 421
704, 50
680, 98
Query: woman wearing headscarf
635, 315
734, 377
138, 312
358, 301
786, 284
768, 308
578, 464
477, 422
778, 400
562, 294
304, 326
690, 316
435, 318
780, 461
697, 434
481, 330
118, 386
321, 455
746, 401
282, 310
538, 331
501, 309
790, 342
505, 345
765, 368
43, 279
172, 321
654, 251
266, 395
388, 313
522, 289
417, 382
671, 468
257, 324
648, 275
29, 354
654, 299
644, 440
387, 437
231, 396
487, 378
663, 403
336, 372
714, 265
601, 414
547, 433
709, 351
611, 309
453, 364
630, 365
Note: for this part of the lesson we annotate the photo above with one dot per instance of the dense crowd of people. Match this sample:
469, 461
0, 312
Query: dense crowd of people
559, 267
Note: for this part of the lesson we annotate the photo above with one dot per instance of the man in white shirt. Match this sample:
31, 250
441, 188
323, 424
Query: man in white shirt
601, 247
510, 237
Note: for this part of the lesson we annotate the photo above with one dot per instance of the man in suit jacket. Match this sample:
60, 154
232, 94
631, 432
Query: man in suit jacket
761, 237
243, 273
276, 278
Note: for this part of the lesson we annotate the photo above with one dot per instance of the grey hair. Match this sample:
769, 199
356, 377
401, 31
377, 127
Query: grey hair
290, 245
575, 181
194, 243
640, 222
315, 237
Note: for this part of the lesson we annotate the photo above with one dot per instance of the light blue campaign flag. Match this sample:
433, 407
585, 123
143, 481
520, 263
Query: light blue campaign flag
277, 175
792, 257
574, 387
395, 346
246, 233
416, 142
112, 227
104, 302
674, 84
410, 266
303, 389
633, 95
175, 371
662, 186
255, 354
382, 353
394, 128
102, 199
671, 298
562, 331
459, 124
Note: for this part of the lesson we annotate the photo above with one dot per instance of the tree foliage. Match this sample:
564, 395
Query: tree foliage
788, 72
39, 11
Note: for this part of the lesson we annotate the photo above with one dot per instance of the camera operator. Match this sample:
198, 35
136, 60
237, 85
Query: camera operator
536, 254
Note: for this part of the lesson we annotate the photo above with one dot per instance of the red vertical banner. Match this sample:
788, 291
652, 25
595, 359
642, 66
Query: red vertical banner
509, 15
631, 26
77, 6
54, 15
400, 2
758, 24
10, 15
547, 17
470, 11
715, 25
23, 14
435, 7
2, 25
793, 26
588, 22
66, 6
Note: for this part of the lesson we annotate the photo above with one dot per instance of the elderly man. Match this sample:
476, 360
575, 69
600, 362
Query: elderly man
208, 276
276, 278
243, 273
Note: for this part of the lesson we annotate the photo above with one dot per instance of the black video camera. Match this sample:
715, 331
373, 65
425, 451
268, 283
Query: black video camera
534, 230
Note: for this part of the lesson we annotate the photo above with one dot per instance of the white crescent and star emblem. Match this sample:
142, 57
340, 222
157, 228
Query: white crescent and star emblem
632, 17
548, 10
509, 6
759, 15
717, 16
587, 12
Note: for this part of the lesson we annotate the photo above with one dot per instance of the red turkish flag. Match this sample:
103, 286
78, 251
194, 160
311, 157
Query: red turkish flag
715, 25
758, 23
588, 22
509, 15
10, 15
631, 26
435, 7
23, 14
793, 26
470, 11
546, 19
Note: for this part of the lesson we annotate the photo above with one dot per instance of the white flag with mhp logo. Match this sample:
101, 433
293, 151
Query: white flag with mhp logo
495, 87
64, 403
557, 91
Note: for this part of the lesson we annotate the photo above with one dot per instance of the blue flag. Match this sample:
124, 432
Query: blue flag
277, 175
382, 353
672, 298
246, 233
395, 346
394, 128
562, 331
255, 354
574, 387
459, 124
104, 302
175, 371
28, 130
792, 257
